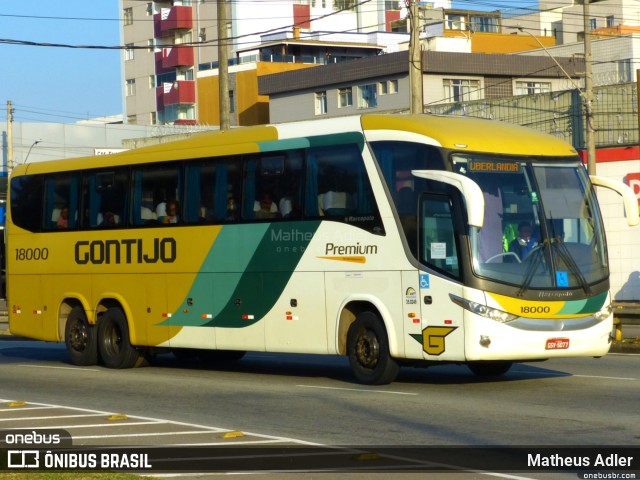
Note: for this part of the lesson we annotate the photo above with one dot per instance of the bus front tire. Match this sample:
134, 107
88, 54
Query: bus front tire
368, 350
80, 338
114, 345
489, 368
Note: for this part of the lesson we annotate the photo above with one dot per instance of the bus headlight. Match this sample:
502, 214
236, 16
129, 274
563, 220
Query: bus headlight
483, 310
603, 313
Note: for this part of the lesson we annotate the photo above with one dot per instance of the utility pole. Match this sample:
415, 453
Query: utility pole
9, 137
415, 59
638, 97
588, 94
223, 66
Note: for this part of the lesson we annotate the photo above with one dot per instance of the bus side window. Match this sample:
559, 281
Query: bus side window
61, 202
104, 198
153, 186
26, 201
272, 189
338, 187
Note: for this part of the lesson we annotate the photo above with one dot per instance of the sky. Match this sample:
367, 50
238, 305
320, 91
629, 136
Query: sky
61, 85
65, 85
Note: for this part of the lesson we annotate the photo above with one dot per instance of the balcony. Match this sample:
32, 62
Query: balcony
170, 19
177, 56
179, 92
159, 62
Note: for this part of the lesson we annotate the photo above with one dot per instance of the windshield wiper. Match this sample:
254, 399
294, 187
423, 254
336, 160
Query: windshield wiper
564, 254
533, 260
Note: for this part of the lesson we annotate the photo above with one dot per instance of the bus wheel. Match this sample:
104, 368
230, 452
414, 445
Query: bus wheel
80, 338
489, 368
113, 341
368, 350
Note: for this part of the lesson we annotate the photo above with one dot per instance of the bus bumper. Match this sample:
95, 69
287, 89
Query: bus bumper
490, 340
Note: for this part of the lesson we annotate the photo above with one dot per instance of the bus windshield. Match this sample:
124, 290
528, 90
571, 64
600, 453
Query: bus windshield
542, 227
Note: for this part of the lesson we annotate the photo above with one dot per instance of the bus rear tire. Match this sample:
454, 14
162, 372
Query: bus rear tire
368, 351
80, 338
114, 345
489, 368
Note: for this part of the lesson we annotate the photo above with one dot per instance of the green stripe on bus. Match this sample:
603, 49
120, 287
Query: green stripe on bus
244, 274
585, 306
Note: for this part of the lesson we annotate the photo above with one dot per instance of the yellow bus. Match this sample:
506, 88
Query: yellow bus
391, 239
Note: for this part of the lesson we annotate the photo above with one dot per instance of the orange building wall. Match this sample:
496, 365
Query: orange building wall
502, 42
251, 108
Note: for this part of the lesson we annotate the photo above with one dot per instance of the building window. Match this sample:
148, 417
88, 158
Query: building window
593, 23
624, 71
344, 4
367, 96
531, 88
393, 86
128, 16
131, 87
383, 88
611, 21
321, 103
232, 105
484, 24
392, 5
345, 97
153, 118
128, 52
455, 22
459, 90
149, 9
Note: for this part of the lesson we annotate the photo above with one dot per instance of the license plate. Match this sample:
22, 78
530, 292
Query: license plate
557, 344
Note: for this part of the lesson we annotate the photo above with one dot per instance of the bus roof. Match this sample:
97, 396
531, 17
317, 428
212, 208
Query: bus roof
477, 134
452, 132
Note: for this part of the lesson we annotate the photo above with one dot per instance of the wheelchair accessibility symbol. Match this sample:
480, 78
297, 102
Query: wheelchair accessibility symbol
424, 280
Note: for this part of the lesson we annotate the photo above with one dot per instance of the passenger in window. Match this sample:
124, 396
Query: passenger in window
161, 211
109, 219
63, 218
265, 207
232, 209
171, 212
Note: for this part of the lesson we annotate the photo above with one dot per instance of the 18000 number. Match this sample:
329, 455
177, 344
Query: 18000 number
32, 253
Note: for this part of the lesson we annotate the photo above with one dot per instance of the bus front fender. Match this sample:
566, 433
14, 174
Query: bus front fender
349, 309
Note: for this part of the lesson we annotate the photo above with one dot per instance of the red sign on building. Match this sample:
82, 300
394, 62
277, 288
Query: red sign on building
633, 180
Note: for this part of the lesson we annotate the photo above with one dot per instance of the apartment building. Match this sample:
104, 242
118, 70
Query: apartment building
564, 19
382, 83
171, 44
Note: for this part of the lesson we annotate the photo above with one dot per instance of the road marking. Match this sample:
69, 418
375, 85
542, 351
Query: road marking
550, 374
203, 429
75, 369
361, 390
263, 439
53, 417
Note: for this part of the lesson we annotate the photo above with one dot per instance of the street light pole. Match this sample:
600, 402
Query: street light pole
223, 66
415, 59
588, 93
29, 152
